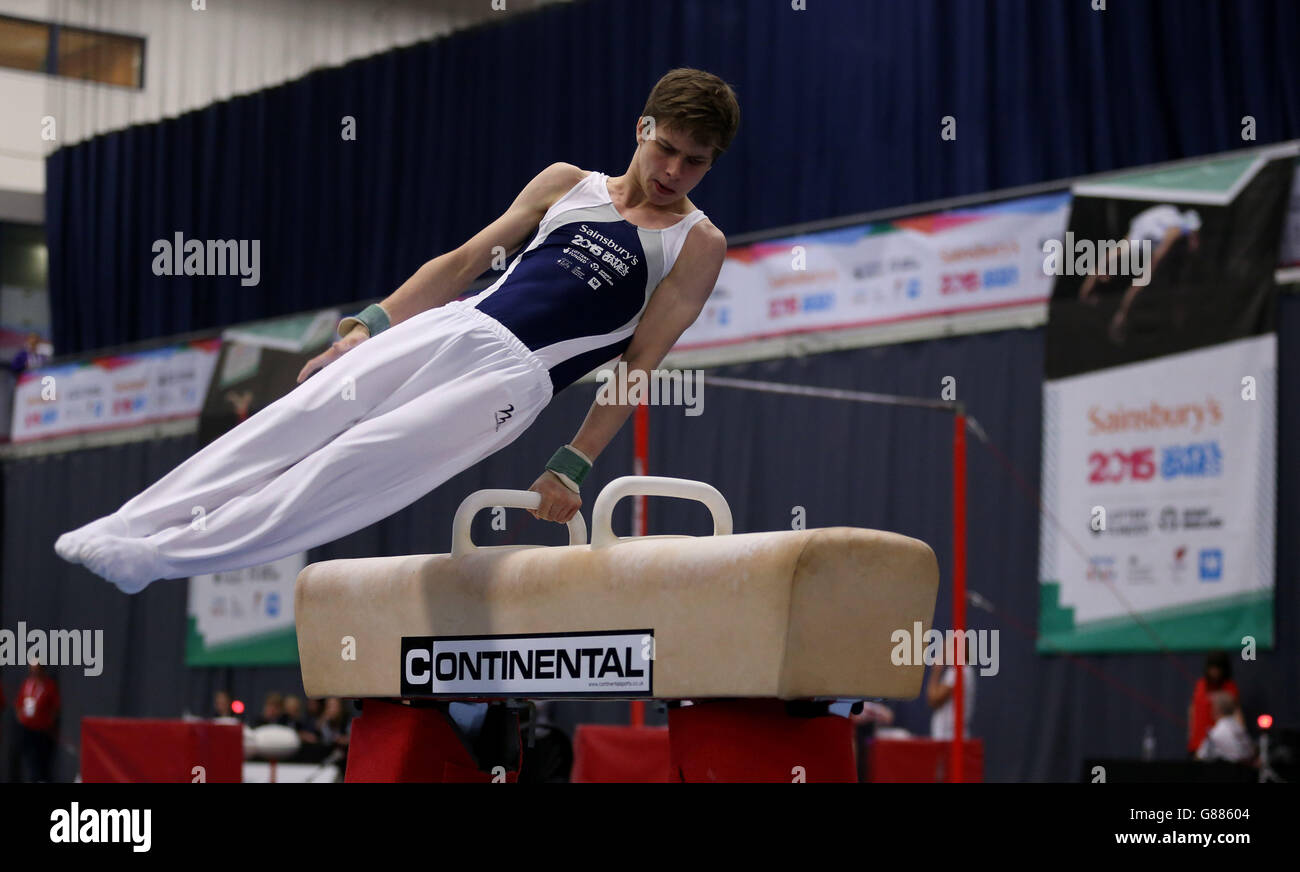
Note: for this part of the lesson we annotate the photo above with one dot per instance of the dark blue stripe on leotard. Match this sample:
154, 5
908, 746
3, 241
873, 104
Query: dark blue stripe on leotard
543, 302
568, 372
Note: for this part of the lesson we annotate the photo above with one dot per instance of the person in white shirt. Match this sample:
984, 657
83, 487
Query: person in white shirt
1161, 226
1227, 739
939, 693
1154, 224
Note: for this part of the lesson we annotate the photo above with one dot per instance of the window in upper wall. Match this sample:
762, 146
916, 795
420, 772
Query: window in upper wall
100, 57
71, 52
24, 45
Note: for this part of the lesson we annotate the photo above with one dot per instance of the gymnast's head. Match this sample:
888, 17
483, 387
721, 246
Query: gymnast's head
688, 122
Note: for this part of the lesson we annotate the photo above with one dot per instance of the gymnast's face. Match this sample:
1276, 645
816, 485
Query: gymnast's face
673, 159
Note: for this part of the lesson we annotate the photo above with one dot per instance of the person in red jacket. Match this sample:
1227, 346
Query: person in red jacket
37, 708
1200, 715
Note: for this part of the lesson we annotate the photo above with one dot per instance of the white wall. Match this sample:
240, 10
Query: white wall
195, 58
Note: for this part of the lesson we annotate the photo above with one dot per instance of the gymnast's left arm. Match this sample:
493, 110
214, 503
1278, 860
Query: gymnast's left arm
674, 306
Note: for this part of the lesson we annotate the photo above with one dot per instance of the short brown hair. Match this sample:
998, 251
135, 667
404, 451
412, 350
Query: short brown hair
697, 102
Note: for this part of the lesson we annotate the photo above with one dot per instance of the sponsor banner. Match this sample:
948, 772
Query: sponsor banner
610, 663
1161, 475
295, 333
969, 259
1160, 411
112, 392
259, 364
1186, 259
244, 618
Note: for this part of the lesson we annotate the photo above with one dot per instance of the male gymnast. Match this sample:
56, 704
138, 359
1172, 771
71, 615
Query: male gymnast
422, 385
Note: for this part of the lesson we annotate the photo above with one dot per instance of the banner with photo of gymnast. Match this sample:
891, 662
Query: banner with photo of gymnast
1160, 410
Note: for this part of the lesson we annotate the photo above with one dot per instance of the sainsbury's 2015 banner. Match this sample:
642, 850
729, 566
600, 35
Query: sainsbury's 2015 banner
962, 260
112, 392
245, 617
1159, 411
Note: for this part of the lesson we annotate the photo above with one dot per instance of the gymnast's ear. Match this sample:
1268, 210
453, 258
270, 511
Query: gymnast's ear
644, 129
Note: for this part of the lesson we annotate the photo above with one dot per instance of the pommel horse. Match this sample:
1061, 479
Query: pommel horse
734, 623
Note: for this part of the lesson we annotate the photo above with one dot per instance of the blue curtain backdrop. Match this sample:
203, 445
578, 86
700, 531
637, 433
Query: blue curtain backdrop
842, 105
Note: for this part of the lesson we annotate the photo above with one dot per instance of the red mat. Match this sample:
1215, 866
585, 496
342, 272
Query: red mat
120, 750
755, 740
616, 754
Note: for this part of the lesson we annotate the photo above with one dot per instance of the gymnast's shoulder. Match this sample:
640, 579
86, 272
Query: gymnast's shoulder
548, 186
702, 253
710, 235
563, 175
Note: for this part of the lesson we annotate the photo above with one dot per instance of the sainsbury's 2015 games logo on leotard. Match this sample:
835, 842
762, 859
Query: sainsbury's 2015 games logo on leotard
610, 244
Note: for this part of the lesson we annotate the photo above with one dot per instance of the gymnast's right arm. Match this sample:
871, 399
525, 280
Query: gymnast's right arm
446, 277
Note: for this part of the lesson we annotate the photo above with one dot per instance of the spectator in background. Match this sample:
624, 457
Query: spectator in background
938, 694
272, 711
221, 705
335, 726
37, 708
1200, 715
308, 732
293, 710
1227, 739
30, 356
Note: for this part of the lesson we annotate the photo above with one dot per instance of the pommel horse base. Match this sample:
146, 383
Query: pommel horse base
734, 623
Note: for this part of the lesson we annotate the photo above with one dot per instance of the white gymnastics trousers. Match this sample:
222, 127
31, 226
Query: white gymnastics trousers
367, 435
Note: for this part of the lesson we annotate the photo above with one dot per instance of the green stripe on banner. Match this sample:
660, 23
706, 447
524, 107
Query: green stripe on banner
277, 648
1178, 628
1209, 177
1053, 618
